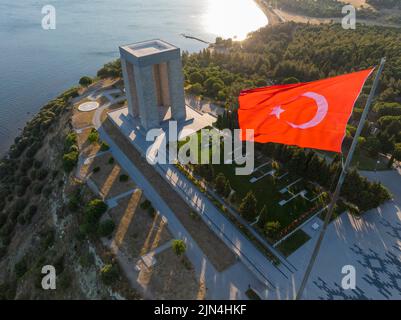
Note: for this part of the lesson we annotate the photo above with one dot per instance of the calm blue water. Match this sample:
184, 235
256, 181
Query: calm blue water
36, 65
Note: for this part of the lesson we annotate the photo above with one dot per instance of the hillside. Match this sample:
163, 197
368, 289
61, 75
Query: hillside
41, 208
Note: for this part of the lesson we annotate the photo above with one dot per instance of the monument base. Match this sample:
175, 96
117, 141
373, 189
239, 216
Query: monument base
132, 129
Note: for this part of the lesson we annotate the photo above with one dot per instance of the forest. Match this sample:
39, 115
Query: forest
290, 53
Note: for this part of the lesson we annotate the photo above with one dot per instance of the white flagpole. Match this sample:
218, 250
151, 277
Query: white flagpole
341, 181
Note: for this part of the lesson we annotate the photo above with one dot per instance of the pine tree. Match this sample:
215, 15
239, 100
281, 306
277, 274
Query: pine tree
220, 183
248, 206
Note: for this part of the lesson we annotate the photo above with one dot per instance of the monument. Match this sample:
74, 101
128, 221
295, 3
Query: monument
154, 82
154, 88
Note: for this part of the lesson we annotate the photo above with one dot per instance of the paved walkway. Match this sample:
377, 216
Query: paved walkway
113, 202
371, 244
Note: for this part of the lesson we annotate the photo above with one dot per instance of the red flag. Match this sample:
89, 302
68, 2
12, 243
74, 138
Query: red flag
309, 115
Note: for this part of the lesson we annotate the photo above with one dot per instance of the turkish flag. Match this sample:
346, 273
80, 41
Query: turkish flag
309, 115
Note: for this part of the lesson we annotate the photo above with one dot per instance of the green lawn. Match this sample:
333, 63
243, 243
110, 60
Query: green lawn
293, 242
267, 193
363, 161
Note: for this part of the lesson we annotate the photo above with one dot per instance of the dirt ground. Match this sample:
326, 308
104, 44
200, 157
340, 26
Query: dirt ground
217, 252
137, 231
108, 178
82, 119
172, 278
300, 18
357, 3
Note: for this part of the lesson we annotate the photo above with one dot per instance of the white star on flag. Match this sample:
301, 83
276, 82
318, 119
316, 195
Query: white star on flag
277, 111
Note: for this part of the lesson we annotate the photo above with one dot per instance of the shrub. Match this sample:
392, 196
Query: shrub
74, 201
106, 228
104, 146
70, 160
124, 178
33, 149
109, 274
111, 160
85, 81
26, 164
179, 247
93, 136
271, 228
74, 147
146, 204
96, 169
70, 140
151, 211
94, 210
86, 229
111, 69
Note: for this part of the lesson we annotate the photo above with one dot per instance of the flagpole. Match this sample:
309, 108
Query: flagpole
341, 180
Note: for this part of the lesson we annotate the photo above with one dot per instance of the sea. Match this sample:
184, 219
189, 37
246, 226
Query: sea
37, 64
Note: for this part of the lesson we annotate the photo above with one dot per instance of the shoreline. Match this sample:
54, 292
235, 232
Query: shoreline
272, 17
276, 16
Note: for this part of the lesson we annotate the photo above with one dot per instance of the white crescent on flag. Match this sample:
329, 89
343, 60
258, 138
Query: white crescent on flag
322, 108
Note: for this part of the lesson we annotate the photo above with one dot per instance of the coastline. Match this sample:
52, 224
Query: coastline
271, 16
276, 16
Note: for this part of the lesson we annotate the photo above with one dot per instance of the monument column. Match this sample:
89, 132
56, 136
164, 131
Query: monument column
176, 86
130, 87
148, 108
